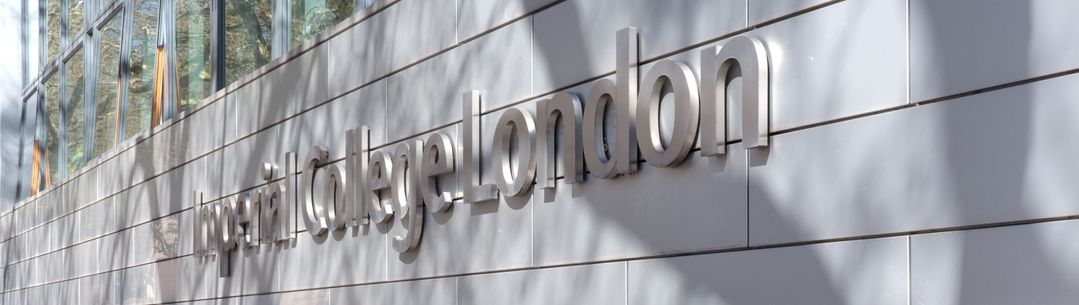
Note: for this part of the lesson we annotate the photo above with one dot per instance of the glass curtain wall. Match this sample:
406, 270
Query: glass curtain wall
193, 65
107, 88
248, 36
52, 29
129, 71
26, 142
75, 111
33, 42
310, 17
141, 67
76, 11
49, 133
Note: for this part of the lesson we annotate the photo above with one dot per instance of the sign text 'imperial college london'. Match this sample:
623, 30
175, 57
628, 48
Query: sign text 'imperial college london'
373, 187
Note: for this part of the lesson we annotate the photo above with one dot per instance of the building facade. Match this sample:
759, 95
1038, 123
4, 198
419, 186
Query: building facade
539, 152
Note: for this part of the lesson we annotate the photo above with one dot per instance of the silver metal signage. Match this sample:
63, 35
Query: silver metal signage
404, 182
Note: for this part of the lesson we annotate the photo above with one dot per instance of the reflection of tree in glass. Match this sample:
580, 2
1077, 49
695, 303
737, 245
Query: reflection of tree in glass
51, 123
166, 235
141, 64
311, 17
192, 52
106, 89
75, 17
75, 120
52, 29
247, 36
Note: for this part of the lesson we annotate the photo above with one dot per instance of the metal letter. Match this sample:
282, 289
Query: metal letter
406, 195
509, 183
470, 152
685, 117
567, 107
286, 210
597, 147
751, 56
226, 235
378, 179
358, 141
274, 214
247, 213
437, 161
626, 100
316, 223
335, 191
201, 228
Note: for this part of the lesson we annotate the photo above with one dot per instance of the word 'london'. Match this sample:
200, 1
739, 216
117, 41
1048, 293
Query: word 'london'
375, 186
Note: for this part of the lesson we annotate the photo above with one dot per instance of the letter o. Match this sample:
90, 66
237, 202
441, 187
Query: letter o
600, 97
316, 224
335, 191
687, 104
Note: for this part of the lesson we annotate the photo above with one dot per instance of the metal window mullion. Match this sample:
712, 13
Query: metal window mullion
89, 46
217, 43
19, 153
125, 50
42, 38
279, 28
164, 34
24, 44
61, 154
39, 127
173, 59
64, 27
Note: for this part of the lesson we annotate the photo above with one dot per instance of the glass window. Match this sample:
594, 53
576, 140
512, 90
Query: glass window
75, 118
52, 29
247, 36
51, 128
311, 17
141, 68
193, 52
75, 20
26, 149
101, 4
33, 46
107, 89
